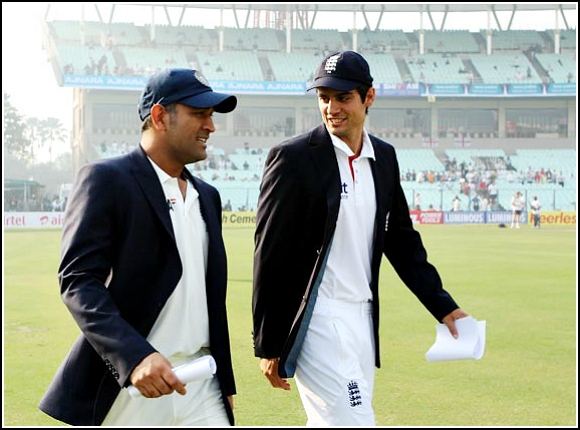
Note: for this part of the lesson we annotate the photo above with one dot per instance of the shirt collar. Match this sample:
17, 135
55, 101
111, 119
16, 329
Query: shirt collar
161, 174
367, 149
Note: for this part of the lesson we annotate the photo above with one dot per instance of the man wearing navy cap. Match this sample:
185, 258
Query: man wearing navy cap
331, 205
143, 272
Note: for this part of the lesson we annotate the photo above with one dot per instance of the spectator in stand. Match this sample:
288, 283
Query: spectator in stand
535, 205
475, 202
492, 191
456, 204
417, 201
484, 204
517, 205
13, 204
561, 179
56, 204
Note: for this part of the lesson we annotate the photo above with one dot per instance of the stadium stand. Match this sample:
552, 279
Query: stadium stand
511, 103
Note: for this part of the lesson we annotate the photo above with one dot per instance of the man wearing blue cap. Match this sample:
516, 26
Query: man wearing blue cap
330, 206
143, 272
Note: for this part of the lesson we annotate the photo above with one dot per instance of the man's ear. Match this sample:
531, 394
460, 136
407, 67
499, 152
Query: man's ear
158, 116
370, 99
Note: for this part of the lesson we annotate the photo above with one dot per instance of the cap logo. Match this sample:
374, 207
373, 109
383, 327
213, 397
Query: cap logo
201, 78
330, 65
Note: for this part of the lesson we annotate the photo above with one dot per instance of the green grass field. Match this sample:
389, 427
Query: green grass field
522, 282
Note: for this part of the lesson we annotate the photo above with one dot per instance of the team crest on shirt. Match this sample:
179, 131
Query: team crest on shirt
354, 397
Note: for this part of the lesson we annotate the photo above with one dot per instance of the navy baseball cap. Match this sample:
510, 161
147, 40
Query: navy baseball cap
186, 86
343, 71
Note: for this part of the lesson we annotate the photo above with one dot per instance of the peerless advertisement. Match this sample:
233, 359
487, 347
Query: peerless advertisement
491, 217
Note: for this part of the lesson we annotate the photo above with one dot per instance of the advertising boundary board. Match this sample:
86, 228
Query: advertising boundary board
491, 217
239, 219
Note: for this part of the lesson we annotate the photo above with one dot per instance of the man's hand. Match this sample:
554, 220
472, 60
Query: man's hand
154, 377
450, 318
269, 367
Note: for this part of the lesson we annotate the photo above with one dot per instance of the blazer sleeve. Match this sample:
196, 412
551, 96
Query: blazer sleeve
89, 245
404, 248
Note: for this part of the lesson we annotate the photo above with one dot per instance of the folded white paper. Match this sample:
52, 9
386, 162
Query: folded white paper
470, 343
196, 370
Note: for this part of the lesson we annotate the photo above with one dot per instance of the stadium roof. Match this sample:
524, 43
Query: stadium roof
380, 7
310, 9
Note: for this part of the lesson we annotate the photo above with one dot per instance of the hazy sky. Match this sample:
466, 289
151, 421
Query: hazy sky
26, 74
28, 78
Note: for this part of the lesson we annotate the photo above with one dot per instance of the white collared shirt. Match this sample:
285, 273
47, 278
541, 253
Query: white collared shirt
347, 275
182, 327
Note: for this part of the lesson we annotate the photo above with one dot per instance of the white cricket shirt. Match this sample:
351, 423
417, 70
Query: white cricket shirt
182, 327
347, 276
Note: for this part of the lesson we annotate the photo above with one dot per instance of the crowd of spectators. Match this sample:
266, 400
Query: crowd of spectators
476, 183
33, 203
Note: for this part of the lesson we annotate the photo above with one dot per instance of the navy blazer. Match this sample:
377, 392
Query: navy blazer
297, 214
119, 265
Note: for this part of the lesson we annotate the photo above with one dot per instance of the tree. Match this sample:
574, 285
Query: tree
24, 136
53, 131
33, 134
20, 134
16, 141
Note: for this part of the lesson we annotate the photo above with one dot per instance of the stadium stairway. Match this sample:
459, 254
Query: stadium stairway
404, 70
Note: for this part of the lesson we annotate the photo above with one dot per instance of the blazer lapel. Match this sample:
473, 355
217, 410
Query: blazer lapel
152, 189
321, 151
207, 210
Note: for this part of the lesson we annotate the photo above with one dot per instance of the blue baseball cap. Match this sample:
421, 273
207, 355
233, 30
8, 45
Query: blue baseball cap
342, 71
185, 86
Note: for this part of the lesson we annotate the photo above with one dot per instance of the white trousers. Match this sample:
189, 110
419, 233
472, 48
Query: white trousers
335, 370
202, 405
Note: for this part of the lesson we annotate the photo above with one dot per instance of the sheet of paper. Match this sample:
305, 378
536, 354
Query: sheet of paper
469, 345
196, 370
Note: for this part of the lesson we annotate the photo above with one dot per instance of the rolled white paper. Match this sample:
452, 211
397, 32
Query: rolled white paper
196, 370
